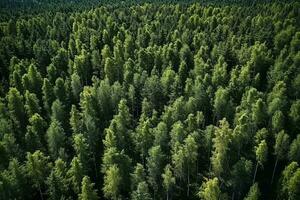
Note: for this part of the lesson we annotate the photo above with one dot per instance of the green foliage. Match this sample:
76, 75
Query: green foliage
112, 181
141, 193
210, 190
87, 190
149, 99
222, 140
254, 193
55, 138
57, 181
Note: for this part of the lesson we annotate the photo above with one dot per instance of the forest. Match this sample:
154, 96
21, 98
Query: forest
149, 100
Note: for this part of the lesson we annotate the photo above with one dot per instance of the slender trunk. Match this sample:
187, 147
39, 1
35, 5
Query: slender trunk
232, 196
168, 195
255, 172
132, 108
94, 160
41, 194
274, 170
197, 165
188, 185
209, 154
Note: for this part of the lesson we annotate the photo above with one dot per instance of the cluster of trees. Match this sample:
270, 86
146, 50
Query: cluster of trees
152, 101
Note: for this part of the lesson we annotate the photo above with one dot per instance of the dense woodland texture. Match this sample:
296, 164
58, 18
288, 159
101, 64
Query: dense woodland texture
151, 101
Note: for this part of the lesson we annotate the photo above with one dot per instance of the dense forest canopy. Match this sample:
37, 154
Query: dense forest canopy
145, 101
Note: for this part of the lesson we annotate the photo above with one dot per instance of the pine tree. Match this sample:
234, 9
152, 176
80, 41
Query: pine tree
37, 167
112, 181
87, 190
55, 138
168, 180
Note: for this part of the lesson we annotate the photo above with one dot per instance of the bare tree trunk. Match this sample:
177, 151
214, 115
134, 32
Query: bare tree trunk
41, 194
255, 172
188, 185
94, 160
274, 170
168, 195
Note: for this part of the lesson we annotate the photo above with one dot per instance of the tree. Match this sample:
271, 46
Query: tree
87, 190
57, 184
35, 131
16, 108
277, 100
129, 71
168, 180
17, 180
120, 127
254, 193
48, 95
178, 161
278, 121
55, 138
161, 136
60, 91
295, 115
186, 55
31, 104
143, 139
155, 165
261, 152
76, 86
128, 47
294, 185
83, 67
219, 76
32, 81
210, 190
112, 181
117, 159
222, 104
294, 152
58, 112
259, 112
242, 168
37, 167
280, 149
290, 181
76, 120
82, 151
167, 81
96, 63
183, 72
142, 192
75, 174
111, 71
191, 154
223, 137
178, 134
60, 60
138, 176
152, 91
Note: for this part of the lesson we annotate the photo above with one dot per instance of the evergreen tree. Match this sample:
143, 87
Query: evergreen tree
55, 138
87, 190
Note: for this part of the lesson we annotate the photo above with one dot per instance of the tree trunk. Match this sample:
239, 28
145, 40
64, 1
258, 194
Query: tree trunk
255, 172
197, 170
168, 195
41, 194
94, 160
188, 185
274, 170
232, 196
